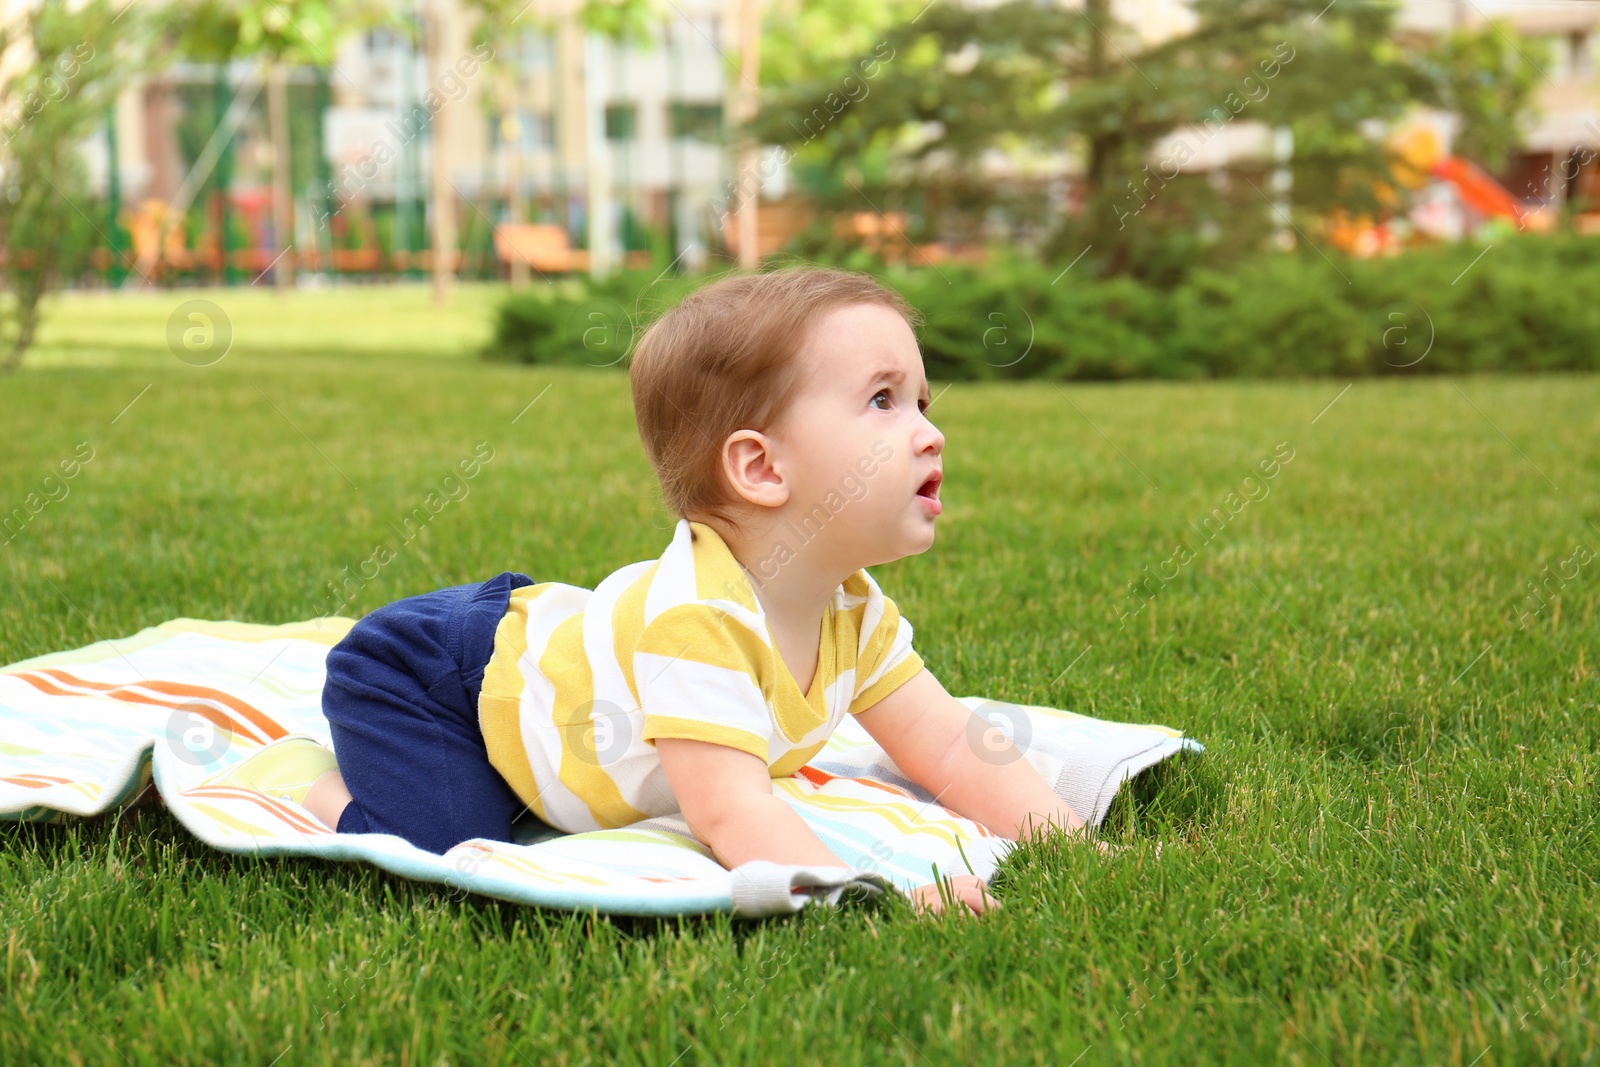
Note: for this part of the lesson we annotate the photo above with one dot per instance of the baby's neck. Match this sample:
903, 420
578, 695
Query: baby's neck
794, 615
793, 581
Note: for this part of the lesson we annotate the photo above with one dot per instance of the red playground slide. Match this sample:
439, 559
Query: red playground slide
1479, 191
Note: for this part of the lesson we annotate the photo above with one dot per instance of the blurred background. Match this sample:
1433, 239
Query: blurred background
1300, 167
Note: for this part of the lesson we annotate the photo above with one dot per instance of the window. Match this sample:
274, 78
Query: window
1571, 55
1581, 42
384, 40
527, 130
620, 121
534, 51
696, 121
696, 31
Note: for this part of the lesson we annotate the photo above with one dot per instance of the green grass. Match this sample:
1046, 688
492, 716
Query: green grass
127, 328
1388, 852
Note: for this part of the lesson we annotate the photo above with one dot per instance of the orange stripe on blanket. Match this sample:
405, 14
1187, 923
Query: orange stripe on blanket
261, 800
814, 776
213, 715
820, 778
253, 715
35, 781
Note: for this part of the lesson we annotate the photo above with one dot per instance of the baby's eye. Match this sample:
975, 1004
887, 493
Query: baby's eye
922, 405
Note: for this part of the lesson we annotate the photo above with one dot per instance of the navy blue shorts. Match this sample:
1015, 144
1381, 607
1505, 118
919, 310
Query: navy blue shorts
401, 699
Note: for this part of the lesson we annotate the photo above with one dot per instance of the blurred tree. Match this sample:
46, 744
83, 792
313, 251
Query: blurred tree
63, 71
922, 116
278, 34
1486, 80
628, 21
808, 41
500, 25
498, 30
285, 33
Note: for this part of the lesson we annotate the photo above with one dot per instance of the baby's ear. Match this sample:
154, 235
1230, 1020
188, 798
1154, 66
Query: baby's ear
750, 465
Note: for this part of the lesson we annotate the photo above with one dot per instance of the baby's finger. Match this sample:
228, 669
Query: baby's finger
967, 893
978, 898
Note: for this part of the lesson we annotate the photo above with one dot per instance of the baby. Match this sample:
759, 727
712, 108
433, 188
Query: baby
784, 414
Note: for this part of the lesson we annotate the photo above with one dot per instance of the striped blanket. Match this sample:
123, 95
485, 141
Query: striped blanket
86, 731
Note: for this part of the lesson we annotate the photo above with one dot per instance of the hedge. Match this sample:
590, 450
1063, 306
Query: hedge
1521, 304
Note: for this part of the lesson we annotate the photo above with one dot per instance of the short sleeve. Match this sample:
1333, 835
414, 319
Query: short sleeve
886, 660
699, 670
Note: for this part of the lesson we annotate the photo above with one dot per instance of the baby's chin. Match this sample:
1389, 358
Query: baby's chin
903, 553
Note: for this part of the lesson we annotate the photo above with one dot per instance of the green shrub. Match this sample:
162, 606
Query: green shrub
1288, 316
1522, 304
578, 322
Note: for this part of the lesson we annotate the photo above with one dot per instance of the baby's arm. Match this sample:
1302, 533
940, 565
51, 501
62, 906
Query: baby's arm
726, 797
924, 730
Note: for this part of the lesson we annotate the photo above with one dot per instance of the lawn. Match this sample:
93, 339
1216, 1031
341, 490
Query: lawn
1387, 853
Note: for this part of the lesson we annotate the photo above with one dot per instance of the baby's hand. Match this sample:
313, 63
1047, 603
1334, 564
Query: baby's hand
1104, 847
1112, 850
968, 891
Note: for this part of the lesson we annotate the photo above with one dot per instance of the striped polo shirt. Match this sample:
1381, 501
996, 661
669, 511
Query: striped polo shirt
581, 683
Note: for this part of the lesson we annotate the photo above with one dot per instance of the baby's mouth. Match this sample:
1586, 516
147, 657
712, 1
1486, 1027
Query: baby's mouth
930, 488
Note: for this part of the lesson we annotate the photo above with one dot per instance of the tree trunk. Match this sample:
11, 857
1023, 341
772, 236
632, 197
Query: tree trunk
506, 94
1099, 11
282, 198
748, 98
1104, 150
27, 324
440, 36
597, 159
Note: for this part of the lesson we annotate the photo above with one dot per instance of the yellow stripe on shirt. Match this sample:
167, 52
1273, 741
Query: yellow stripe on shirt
718, 574
582, 765
627, 623
500, 700
673, 726
704, 634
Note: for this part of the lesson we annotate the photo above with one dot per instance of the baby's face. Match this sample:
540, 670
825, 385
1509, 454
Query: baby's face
857, 445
